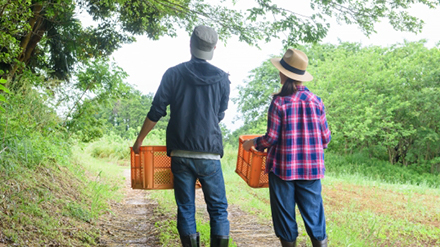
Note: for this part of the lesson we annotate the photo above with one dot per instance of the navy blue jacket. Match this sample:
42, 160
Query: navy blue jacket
198, 95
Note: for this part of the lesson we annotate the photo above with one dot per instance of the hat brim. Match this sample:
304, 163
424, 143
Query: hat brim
205, 55
306, 77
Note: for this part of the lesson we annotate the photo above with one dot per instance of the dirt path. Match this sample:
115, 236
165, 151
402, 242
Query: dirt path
245, 229
132, 223
133, 219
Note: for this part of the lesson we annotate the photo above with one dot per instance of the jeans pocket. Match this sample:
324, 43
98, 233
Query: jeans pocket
179, 165
206, 168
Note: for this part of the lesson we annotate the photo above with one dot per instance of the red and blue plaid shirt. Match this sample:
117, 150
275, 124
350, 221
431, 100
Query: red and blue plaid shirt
297, 134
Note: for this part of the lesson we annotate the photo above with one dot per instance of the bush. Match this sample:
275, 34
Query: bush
359, 163
32, 133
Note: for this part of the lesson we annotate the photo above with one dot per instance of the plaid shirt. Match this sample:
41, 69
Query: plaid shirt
297, 134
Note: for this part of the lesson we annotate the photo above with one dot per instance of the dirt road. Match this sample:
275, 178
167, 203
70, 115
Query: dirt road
133, 219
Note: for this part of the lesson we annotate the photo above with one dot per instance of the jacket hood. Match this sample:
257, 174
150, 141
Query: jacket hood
199, 72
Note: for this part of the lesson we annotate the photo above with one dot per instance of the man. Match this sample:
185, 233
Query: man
198, 95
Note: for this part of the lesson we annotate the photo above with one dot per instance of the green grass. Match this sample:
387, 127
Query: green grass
361, 209
379, 170
387, 223
38, 205
400, 212
56, 202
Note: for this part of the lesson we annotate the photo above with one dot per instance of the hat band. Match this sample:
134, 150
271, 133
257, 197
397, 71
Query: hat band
292, 69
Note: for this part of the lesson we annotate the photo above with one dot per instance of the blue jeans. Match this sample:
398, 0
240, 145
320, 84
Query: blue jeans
307, 195
210, 175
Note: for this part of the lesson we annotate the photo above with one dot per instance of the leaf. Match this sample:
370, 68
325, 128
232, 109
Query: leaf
4, 89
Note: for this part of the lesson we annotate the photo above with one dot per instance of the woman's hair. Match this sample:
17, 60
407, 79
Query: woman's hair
289, 88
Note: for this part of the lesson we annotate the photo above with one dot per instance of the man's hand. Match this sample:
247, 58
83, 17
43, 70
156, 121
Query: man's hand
248, 144
136, 146
146, 128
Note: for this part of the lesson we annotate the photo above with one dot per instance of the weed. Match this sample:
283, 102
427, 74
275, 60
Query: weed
168, 232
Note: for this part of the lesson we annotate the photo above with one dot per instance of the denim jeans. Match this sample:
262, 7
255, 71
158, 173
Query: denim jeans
307, 195
210, 175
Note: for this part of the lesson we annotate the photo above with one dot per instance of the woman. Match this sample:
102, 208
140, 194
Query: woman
297, 134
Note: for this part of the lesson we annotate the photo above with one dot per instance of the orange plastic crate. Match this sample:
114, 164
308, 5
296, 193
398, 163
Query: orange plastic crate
251, 165
151, 169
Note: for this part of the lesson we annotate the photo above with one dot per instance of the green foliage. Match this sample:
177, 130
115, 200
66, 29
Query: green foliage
255, 96
31, 133
381, 98
253, 101
13, 24
43, 193
168, 232
378, 170
110, 146
5, 90
46, 36
299, 28
124, 116
99, 84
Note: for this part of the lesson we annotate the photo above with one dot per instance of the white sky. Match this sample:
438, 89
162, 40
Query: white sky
145, 60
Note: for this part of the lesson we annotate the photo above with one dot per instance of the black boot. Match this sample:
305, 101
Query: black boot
284, 243
322, 243
219, 241
192, 240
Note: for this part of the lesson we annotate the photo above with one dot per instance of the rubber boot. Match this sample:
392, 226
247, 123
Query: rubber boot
284, 243
317, 243
192, 240
219, 241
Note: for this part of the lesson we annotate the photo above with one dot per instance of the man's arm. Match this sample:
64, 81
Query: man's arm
146, 128
224, 101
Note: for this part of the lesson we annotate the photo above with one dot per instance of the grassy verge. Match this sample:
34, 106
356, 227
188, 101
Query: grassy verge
51, 205
46, 198
361, 209
55, 203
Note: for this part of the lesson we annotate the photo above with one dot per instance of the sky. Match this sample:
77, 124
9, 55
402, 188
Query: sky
146, 61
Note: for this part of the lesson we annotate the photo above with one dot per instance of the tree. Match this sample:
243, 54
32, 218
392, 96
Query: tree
301, 28
125, 116
99, 83
45, 35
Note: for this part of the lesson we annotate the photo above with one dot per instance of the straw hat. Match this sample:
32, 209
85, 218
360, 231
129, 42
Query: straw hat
293, 65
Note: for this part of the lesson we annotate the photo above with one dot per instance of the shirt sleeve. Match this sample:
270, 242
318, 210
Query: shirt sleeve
325, 131
224, 100
274, 118
162, 98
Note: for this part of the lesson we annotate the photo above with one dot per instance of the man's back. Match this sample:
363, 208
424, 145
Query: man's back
198, 95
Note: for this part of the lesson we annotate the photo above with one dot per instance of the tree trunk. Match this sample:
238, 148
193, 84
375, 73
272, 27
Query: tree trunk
30, 41
391, 154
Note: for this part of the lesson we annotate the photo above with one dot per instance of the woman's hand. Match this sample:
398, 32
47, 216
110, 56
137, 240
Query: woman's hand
248, 144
